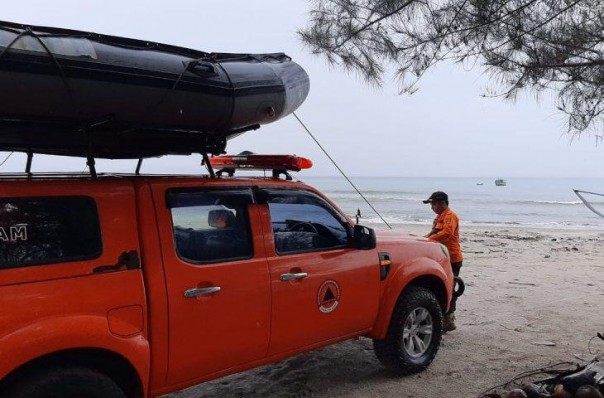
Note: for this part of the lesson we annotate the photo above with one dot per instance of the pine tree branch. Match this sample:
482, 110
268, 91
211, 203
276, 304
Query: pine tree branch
564, 65
368, 25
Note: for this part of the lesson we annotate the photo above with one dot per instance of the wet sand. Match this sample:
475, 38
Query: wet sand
534, 297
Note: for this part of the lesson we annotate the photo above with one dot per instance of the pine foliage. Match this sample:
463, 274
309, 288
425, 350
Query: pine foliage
526, 44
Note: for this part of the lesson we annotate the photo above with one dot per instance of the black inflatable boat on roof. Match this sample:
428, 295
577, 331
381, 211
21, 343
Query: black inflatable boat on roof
74, 93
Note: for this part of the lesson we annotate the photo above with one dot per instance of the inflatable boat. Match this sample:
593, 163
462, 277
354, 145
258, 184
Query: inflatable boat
73, 93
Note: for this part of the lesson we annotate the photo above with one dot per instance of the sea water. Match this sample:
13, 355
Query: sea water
523, 202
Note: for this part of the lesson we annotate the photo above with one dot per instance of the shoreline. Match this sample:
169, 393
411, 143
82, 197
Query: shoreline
469, 226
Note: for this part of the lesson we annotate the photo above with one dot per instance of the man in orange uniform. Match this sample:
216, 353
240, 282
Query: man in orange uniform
445, 230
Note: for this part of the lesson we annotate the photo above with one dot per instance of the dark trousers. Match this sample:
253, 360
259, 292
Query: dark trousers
456, 268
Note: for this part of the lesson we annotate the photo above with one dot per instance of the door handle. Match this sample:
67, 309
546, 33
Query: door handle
201, 291
294, 276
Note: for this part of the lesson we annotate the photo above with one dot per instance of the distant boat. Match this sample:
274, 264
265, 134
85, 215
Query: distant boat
500, 182
480, 183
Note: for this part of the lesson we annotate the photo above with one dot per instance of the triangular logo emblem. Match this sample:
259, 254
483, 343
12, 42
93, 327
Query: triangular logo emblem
329, 295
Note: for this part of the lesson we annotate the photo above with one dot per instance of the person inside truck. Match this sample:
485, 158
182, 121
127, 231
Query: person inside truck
445, 230
221, 219
228, 238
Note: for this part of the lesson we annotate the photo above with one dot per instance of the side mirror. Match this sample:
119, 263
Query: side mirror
363, 237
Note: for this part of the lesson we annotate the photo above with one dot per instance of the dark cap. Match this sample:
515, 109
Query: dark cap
436, 196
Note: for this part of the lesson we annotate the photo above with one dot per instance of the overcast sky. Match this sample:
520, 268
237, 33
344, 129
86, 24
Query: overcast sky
446, 129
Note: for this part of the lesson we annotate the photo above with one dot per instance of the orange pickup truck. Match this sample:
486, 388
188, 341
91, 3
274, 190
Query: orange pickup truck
137, 286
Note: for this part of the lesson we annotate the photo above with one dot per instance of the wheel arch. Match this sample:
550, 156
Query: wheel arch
421, 272
435, 285
74, 338
109, 363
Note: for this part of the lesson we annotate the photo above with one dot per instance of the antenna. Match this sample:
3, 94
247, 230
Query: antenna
138, 166
30, 157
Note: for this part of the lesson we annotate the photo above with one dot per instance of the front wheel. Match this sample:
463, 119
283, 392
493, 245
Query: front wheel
414, 333
76, 382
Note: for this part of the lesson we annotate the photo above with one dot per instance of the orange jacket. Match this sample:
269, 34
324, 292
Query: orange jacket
445, 230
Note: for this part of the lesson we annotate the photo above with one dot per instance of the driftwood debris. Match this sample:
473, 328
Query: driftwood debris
582, 382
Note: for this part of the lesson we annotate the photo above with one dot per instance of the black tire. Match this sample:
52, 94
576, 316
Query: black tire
459, 287
76, 382
417, 308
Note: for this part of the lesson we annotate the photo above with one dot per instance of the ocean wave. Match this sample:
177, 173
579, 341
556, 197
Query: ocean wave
353, 196
393, 220
328, 191
543, 225
389, 196
487, 222
551, 202
522, 201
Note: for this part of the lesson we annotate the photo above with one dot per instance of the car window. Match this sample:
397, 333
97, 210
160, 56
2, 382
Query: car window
303, 221
45, 230
211, 226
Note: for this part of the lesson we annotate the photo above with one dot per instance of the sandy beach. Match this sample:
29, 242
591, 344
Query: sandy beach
534, 298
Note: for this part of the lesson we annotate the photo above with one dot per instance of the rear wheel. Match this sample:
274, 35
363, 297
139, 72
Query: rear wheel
414, 333
76, 382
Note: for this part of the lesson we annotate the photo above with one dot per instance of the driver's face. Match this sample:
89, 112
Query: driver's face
220, 221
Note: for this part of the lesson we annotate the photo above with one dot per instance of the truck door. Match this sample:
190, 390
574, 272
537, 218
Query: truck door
322, 288
217, 280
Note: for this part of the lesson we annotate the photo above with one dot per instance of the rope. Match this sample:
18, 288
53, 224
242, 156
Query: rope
340, 170
153, 107
6, 158
54, 59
